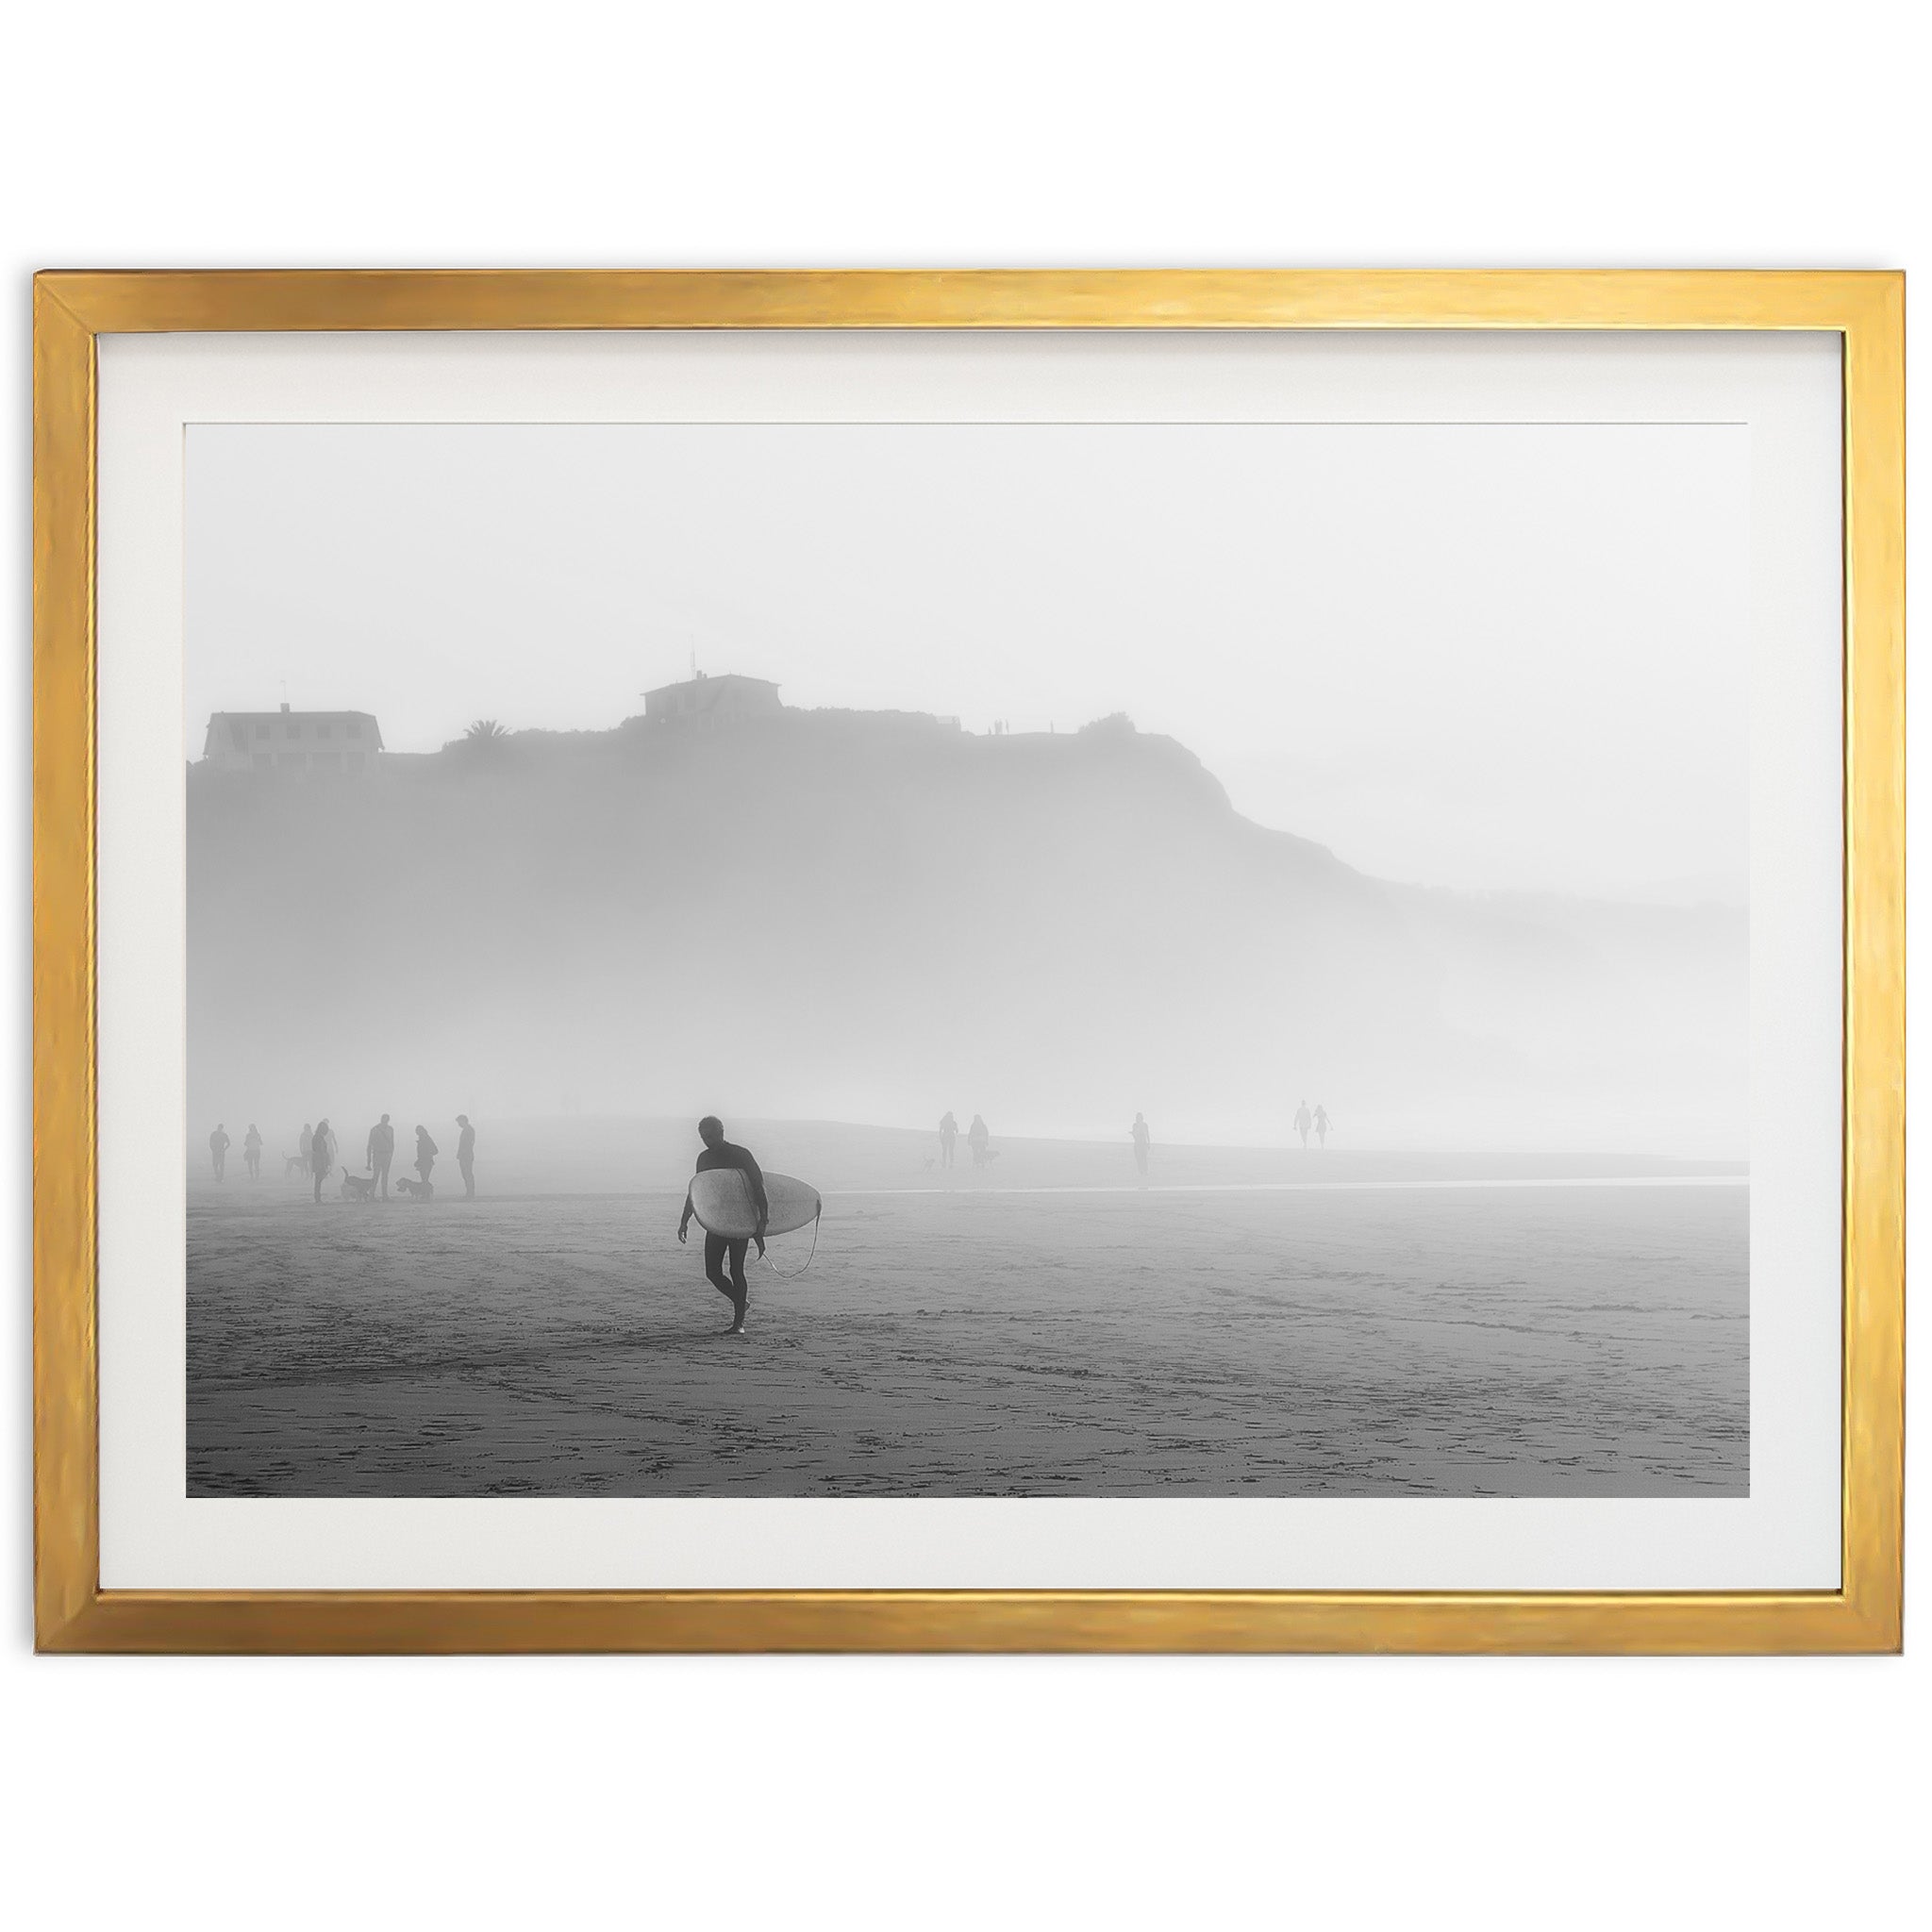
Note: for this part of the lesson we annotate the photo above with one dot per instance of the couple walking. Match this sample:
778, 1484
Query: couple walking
219, 1144
977, 1135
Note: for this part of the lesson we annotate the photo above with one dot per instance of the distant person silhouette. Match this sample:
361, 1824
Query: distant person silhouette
250, 1152
466, 1155
719, 1152
1304, 1120
1320, 1124
977, 1138
381, 1151
425, 1153
1144, 1139
949, 1137
218, 1146
322, 1154
305, 1144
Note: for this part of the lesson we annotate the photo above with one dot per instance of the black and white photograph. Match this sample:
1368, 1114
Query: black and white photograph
961, 967
968, 960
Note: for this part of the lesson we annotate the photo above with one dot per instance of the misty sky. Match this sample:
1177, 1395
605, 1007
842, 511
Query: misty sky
1496, 656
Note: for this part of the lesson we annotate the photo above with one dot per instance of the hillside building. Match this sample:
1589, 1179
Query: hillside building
705, 703
286, 741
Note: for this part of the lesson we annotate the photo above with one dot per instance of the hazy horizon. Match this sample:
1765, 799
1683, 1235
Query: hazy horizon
1095, 1137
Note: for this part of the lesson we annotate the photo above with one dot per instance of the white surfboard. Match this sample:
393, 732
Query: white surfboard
720, 1199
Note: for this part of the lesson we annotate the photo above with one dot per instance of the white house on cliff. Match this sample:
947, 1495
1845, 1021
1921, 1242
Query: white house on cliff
290, 741
704, 703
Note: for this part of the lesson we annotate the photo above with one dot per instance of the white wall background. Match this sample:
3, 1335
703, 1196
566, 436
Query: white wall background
1361, 1792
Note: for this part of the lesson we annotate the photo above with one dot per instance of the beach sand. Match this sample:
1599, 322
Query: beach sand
957, 1338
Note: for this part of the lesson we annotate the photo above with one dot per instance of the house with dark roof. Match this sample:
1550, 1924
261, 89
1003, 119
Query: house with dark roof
286, 741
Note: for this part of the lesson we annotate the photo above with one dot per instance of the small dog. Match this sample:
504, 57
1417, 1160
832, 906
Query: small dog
293, 1164
357, 1186
417, 1191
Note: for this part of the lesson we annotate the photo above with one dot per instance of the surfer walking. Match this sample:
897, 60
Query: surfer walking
1304, 1120
949, 1137
719, 1152
1144, 1139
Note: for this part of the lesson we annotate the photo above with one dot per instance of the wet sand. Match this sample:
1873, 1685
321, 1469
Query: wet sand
969, 1341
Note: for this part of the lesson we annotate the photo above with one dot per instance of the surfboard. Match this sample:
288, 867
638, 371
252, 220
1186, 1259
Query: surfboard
720, 1199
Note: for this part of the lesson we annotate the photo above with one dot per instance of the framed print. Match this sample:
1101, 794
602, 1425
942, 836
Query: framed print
969, 962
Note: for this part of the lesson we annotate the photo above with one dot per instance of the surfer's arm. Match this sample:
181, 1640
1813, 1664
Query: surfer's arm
755, 1174
684, 1220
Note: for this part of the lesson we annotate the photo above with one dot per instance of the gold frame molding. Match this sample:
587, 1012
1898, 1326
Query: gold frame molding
74, 1613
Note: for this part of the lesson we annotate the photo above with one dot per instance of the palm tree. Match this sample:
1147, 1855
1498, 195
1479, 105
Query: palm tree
485, 731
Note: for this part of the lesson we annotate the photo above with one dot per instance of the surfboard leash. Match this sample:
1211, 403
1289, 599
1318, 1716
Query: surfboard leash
792, 1273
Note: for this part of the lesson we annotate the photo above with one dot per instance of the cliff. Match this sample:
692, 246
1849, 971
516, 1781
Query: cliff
861, 916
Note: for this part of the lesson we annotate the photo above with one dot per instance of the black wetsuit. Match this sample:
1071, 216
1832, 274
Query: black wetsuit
718, 1246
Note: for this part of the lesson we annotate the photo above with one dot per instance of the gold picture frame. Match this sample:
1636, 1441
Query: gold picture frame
74, 1613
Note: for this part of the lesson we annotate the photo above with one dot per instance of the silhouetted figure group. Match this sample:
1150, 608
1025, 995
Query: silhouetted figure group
979, 1141
1304, 1120
318, 1151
